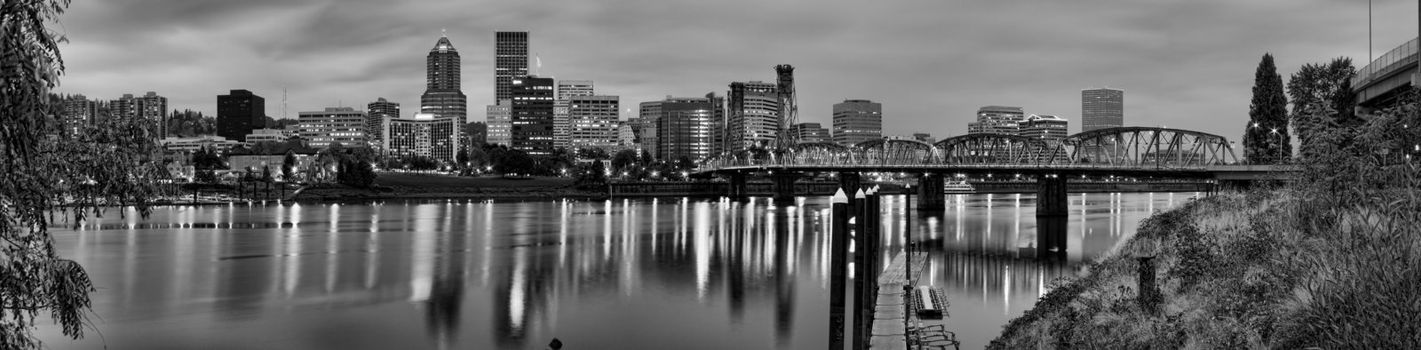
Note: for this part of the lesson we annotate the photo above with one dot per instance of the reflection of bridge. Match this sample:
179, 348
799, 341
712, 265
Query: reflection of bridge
1123, 151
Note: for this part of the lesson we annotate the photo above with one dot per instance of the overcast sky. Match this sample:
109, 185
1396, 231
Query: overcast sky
1185, 64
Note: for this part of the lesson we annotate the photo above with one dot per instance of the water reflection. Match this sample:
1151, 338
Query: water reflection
603, 274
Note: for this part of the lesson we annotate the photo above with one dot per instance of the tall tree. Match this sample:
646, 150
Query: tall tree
1265, 138
47, 175
1323, 101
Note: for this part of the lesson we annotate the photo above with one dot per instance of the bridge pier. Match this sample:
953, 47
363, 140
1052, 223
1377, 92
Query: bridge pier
1051, 197
737, 190
930, 192
784, 186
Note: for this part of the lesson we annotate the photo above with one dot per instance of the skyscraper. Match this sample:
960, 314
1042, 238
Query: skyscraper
532, 115
510, 61
1102, 108
335, 124
562, 126
593, 121
684, 128
645, 125
442, 95
754, 115
150, 108
77, 112
1004, 120
857, 121
238, 113
377, 113
500, 123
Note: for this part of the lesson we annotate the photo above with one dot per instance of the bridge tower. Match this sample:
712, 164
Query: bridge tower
789, 111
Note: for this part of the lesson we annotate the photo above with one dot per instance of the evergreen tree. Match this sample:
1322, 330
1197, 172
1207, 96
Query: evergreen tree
1265, 138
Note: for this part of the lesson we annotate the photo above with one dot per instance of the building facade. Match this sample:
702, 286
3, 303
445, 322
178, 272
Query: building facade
267, 135
510, 60
335, 124
857, 121
924, 137
238, 113
500, 123
78, 111
1102, 108
562, 124
376, 114
809, 133
594, 121
443, 96
1049, 128
645, 126
684, 128
1004, 120
425, 135
150, 108
532, 115
754, 115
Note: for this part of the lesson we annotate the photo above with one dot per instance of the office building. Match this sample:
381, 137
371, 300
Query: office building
645, 125
475, 134
924, 137
238, 113
594, 121
1102, 108
754, 115
150, 108
376, 114
683, 130
510, 61
267, 135
424, 135
532, 115
1049, 128
500, 123
562, 125
809, 133
1004, 120
342, 125
857, 121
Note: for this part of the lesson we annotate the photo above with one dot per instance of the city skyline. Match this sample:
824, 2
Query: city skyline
944, 66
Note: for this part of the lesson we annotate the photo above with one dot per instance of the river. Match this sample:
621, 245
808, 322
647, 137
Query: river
618, 274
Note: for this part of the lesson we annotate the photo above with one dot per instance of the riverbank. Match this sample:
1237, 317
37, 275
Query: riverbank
430, 186
1280, 268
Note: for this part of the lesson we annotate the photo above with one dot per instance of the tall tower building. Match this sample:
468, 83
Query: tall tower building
997, 120
857, 121
442, 95
510, 60
532, 115
754, 115
1102, 108
238, 113
377, 113
77, 112
150, 108
562, 125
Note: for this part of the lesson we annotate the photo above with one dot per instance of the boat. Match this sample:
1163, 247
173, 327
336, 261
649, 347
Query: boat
958, 187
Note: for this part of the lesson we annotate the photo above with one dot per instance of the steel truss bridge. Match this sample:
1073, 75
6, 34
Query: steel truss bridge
1125, 151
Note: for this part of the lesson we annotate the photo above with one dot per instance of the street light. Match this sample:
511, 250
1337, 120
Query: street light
1280, 145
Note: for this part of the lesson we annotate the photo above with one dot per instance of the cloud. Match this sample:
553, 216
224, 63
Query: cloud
932, 63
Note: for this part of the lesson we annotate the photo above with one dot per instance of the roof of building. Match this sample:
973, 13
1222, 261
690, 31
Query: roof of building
443, 45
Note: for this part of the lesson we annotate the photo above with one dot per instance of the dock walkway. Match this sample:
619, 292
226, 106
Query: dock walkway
888, 327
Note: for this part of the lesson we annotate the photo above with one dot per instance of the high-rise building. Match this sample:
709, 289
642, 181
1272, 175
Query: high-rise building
719, 140
626, 136
510, 60
376, 114
857, 121
335, 124
1049, 128
809, 133
78, 111
594, 121
238, 113
532, 115
645, 125
1102, 108
562, 125
500, 123
443, 96
684, 128
150, 108
997, 120
425, 135
754, 115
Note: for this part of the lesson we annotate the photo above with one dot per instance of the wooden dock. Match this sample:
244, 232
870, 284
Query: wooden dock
888, 328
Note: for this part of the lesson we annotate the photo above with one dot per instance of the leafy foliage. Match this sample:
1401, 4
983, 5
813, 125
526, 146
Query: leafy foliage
1265, 138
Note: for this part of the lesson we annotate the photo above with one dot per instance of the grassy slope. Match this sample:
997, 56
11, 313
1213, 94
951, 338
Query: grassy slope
1267, 269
